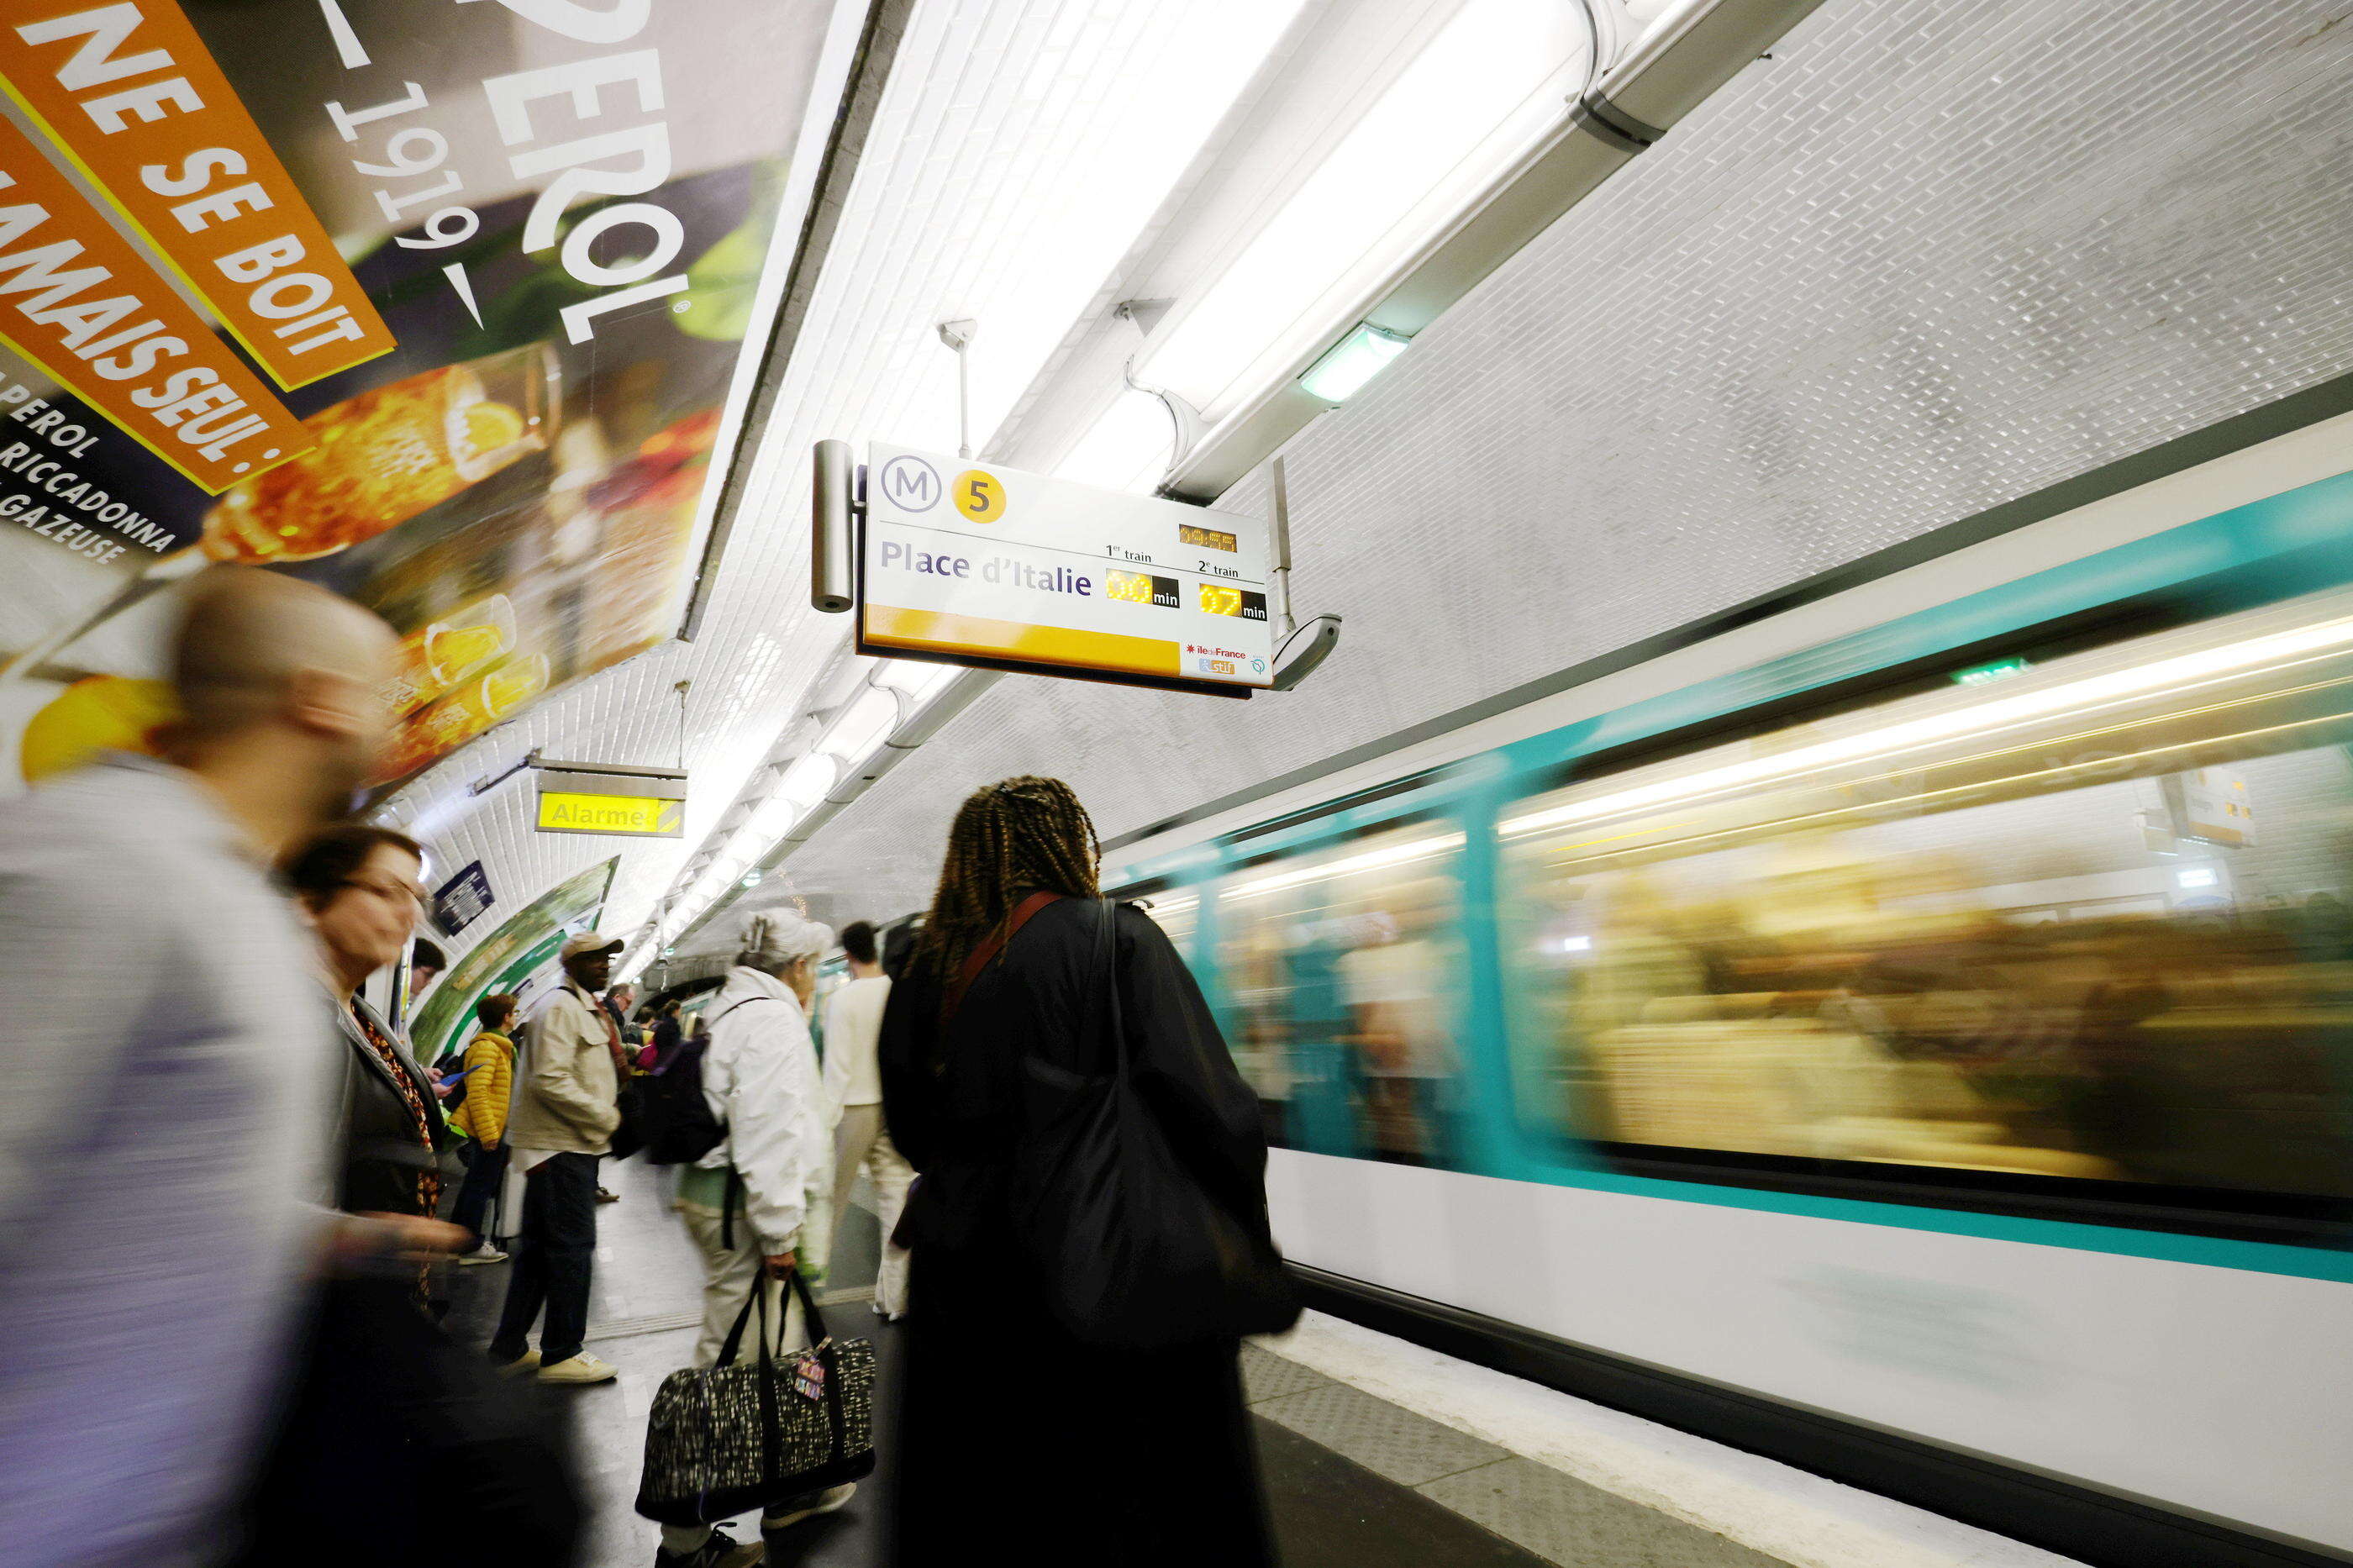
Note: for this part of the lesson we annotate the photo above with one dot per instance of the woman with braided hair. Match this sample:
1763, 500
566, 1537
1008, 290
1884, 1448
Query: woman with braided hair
1001, 1017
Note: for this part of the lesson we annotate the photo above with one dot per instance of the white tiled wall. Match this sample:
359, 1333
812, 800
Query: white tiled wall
1927, 258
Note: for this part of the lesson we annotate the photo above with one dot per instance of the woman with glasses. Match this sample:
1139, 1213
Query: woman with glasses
380, 1403
356, 886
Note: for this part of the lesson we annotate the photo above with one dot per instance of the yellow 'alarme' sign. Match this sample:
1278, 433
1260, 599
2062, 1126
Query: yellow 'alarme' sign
642, 815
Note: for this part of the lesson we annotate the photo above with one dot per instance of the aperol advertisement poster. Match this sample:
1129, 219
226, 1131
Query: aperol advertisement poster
442, 303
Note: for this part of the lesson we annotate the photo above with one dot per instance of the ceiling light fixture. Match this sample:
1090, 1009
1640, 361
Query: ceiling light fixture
1503, 124
1494, 77
1352, 362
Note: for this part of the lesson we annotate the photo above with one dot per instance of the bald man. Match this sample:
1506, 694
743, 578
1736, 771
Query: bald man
162, 1132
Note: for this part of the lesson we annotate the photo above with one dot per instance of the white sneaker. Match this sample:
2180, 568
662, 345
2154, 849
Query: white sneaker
799, 1509
485, 1252
581, 1368
527, 1362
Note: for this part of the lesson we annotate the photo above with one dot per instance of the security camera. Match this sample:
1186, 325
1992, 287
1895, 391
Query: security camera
1305, 650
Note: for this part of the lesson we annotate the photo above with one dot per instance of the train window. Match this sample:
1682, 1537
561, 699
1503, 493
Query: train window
1178, 914
1338, 966
2093, 920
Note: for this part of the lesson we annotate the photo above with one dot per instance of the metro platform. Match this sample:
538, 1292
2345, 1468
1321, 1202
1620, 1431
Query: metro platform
1331, 1510
1376, 1453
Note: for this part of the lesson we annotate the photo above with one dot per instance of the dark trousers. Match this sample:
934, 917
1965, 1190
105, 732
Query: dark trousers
554, 1250
485, 1169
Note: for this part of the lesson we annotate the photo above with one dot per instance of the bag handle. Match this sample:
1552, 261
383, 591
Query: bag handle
820, 1336
821, 1346
987, 950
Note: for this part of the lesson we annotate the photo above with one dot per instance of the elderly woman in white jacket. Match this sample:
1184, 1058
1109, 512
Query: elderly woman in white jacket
773, 1166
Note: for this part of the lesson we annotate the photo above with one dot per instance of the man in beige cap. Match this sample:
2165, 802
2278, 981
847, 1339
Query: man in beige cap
563, 1121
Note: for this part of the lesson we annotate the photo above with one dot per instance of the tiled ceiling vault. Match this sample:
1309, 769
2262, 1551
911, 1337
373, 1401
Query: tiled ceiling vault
997, 118
1927, 258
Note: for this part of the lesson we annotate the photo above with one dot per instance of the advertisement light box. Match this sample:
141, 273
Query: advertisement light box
988, 566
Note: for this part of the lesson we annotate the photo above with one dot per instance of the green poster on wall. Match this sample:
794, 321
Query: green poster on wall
509, 956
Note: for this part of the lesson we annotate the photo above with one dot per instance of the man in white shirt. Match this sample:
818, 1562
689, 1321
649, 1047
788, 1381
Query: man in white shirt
164, 1138
853, 1029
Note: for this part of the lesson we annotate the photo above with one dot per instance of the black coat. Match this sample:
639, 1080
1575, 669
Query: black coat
1147, 1455
379, 1151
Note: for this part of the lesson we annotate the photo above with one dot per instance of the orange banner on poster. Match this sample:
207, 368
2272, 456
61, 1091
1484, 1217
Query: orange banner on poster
130, 92
78, 301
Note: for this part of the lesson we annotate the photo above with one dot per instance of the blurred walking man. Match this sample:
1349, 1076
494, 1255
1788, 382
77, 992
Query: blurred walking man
163, 1139
565, 1114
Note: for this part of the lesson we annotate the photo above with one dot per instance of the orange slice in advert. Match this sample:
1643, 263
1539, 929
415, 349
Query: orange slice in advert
97, 713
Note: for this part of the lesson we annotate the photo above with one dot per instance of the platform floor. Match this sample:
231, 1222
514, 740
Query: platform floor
1349, 1478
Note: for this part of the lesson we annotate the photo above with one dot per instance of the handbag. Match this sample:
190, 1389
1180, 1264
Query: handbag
1133, 1251
380, 1393
744, 1434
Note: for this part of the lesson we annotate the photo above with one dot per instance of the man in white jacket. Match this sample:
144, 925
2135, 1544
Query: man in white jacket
772, 1172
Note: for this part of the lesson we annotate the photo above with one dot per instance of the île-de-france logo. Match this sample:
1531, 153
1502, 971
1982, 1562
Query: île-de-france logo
911, 484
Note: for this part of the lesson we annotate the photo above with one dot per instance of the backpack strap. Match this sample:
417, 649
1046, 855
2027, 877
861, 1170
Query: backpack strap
983, 955
732, 1006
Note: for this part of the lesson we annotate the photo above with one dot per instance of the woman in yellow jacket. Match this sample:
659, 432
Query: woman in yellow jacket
490, 1084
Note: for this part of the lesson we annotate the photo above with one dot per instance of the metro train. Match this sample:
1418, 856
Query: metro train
1906, 1029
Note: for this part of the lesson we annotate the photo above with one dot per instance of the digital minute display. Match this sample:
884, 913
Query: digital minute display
1239, 602
1135, 587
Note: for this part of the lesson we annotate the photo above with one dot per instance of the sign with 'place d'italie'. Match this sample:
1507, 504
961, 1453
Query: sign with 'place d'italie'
988, 566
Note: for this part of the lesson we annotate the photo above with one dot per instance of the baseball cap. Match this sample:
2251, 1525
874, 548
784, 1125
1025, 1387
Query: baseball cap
589, 942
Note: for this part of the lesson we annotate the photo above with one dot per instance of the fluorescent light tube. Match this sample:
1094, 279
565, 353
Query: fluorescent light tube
1352, 362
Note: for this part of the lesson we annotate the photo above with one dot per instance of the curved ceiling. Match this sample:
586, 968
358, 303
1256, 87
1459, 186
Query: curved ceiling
1926, 259
1923, 260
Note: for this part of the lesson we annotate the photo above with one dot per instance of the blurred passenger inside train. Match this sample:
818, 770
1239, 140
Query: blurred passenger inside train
1393, 985
164, 1158
758, 1206
853, 1031
356, 887
1090, 1231
481, 1117
2039, 987
565, 1111
1346, 962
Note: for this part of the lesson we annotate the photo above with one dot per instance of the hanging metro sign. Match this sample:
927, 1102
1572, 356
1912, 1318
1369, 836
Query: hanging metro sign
628, 803
980, 565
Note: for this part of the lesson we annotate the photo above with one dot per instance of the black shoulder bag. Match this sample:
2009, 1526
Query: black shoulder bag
725, 1439
1134, 1251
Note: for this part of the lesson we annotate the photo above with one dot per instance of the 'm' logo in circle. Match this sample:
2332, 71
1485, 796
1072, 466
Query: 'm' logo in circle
911, 484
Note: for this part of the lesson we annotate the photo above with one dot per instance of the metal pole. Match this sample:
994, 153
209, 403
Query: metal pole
964, 402
1278, 573
958, 335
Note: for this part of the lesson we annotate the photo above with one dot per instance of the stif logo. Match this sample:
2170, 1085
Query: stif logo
911, 484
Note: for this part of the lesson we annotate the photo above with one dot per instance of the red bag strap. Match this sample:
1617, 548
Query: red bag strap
987, 950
